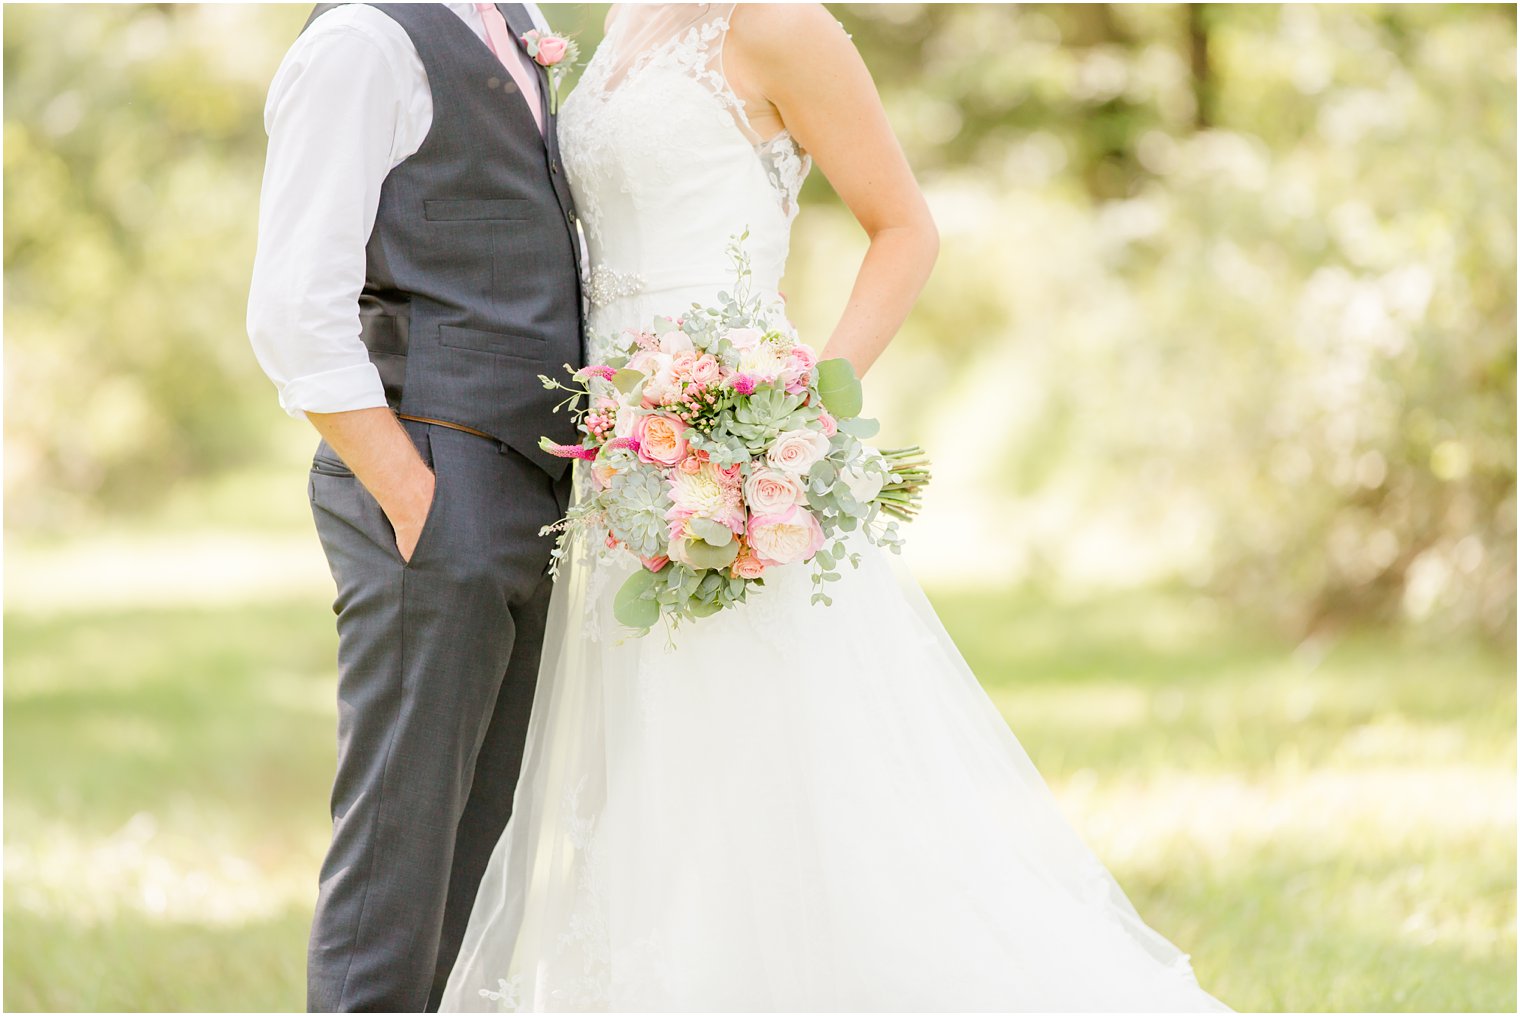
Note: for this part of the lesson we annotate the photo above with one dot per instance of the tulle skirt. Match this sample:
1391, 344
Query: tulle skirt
794, 808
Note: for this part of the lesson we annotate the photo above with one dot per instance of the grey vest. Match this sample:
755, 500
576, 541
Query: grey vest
473, 289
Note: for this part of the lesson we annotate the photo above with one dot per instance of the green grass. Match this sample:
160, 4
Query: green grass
1325, 828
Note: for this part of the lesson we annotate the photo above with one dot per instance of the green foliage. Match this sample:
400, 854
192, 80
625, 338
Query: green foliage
1244, 273
839, 388
1322, 830
635, 605
133, 151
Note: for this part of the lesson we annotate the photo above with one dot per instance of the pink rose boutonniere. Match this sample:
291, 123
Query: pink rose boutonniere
555, 53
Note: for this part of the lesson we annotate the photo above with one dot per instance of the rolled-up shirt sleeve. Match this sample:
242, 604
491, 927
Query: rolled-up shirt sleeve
332, 117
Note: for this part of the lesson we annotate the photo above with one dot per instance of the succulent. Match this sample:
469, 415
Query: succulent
758, 419
636, 511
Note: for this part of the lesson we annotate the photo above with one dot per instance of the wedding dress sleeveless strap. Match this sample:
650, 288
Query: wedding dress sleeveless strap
795, 807
662, 153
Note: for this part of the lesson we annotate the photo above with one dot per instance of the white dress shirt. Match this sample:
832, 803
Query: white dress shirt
349, 103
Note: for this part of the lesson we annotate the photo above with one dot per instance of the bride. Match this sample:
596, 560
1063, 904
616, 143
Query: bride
800, 807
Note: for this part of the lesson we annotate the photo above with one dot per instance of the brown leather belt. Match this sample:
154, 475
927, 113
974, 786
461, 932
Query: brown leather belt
445, 423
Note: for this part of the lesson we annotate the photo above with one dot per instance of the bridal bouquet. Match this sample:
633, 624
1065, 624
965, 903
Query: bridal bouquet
718, 448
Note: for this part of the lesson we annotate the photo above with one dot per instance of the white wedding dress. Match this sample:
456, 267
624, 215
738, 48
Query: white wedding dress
798, 808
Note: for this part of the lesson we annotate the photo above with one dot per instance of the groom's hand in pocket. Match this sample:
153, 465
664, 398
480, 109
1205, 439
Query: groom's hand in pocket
409, 511
378, 449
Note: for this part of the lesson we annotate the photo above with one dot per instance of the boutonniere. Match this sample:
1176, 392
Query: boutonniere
555, 53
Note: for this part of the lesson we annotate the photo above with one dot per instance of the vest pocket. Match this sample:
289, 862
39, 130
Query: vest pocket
523, 347
458, 210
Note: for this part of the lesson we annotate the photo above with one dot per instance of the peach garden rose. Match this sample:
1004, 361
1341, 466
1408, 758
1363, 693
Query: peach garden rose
786, 537
661, 438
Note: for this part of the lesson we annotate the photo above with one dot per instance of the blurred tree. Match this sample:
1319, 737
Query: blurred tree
1247, 271
133, 150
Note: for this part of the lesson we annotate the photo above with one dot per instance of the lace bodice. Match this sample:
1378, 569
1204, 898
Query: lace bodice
666, 169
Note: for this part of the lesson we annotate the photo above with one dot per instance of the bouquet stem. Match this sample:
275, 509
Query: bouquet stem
903, 497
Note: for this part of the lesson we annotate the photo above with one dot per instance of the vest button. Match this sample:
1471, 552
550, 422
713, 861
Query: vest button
570, 216
493, 83
554, 168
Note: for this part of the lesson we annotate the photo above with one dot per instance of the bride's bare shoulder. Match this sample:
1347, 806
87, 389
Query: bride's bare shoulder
784, 26
779, 40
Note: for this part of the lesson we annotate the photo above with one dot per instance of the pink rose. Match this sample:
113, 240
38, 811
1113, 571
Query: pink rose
786, 537
706, 370
551, 48
655, 563
661, 439
797, 369
796, 450
691, 464
828, 423
771, 491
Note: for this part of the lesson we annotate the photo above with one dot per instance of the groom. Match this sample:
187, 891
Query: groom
416, 272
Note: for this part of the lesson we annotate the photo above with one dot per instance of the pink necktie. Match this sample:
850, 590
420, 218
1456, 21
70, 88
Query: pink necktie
511, 56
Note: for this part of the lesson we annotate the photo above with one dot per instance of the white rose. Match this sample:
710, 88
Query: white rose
796, 450
743, 338
771, 491
646, 361
864, 484
626, 418
662, 384
675, 341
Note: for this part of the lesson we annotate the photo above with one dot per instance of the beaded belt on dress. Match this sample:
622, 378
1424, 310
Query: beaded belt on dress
609, 284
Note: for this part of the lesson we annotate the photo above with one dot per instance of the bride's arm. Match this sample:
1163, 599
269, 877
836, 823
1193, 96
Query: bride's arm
807, 75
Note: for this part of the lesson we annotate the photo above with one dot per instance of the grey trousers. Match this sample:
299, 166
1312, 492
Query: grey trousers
437, 661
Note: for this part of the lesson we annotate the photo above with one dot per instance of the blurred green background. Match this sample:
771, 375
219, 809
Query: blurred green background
1226, 302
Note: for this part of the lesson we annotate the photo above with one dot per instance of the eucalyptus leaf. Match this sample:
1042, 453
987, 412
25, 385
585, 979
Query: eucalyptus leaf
860, 426
839, 388
634, 604
702, 554
626, 380
705, 608
711, 532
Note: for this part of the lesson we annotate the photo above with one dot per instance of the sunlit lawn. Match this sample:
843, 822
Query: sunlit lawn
1327, 828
